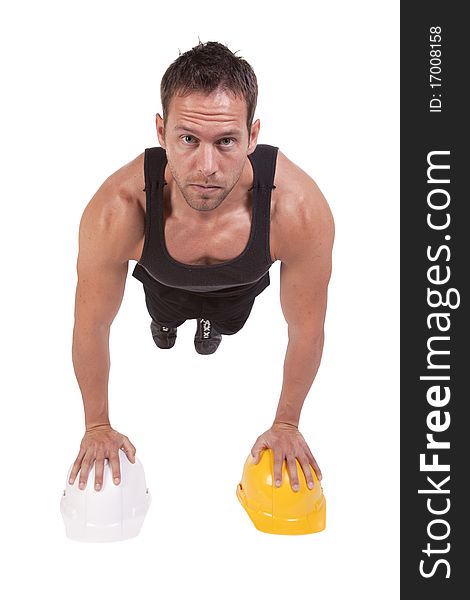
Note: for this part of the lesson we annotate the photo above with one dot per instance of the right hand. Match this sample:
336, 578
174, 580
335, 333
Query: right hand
97, 444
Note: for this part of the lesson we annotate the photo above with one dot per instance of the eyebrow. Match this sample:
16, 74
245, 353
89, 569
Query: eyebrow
221, 135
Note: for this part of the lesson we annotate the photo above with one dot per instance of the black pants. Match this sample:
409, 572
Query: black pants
171, 307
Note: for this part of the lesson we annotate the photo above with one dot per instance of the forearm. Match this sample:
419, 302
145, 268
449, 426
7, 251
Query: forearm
91, 362
301, 364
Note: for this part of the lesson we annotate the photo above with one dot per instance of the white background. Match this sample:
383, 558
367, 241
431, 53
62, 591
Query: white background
80, 93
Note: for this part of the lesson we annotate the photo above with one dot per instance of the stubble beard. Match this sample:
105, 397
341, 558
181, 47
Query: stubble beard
203, 202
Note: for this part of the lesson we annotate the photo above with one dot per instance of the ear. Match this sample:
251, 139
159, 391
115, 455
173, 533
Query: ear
255, 127
160, 125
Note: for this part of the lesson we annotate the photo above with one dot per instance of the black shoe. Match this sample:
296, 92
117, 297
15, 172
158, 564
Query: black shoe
164, 337
206, 339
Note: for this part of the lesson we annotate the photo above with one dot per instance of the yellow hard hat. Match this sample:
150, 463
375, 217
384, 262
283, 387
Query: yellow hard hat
279, 509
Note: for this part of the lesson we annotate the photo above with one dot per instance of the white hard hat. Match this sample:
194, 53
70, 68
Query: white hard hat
112, 514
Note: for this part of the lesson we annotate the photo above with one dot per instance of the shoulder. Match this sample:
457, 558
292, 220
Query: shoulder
127, 183
121, 190
115, 214
301, 214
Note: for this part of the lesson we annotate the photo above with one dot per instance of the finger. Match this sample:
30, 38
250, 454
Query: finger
87, 464
307, 471
129, 449
292, 468
278, 460
115, 466
315, 466
99, 468
256, 450
76, 466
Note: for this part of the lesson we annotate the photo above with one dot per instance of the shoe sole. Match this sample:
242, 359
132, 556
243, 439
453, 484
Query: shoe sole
168, 347
164, 343
214, 342
200, 350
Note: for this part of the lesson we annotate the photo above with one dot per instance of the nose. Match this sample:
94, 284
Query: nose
206, 160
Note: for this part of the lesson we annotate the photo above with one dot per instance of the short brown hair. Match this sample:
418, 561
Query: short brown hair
208, 67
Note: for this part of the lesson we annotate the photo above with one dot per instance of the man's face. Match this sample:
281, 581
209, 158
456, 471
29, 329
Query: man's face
207, 142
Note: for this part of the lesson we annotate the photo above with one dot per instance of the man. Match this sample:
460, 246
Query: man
204, 215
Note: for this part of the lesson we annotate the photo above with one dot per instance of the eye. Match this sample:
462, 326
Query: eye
187, 136
227, 140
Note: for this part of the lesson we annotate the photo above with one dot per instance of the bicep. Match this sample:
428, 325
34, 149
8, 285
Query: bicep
303, 293
99, 292
306, 271
101, 266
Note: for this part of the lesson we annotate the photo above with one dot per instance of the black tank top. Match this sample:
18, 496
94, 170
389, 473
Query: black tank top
248, 273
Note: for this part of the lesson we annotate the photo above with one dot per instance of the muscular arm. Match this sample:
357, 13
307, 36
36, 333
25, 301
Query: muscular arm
109, 229
305, 253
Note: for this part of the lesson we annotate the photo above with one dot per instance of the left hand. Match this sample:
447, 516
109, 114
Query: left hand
288, 443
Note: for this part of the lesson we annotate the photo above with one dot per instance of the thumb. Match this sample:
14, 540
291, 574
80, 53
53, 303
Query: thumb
129, 449
256, 451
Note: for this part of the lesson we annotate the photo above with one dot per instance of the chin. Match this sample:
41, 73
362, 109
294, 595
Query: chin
205, 203
202, 206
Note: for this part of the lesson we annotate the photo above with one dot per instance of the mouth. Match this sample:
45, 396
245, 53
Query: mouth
205, 188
